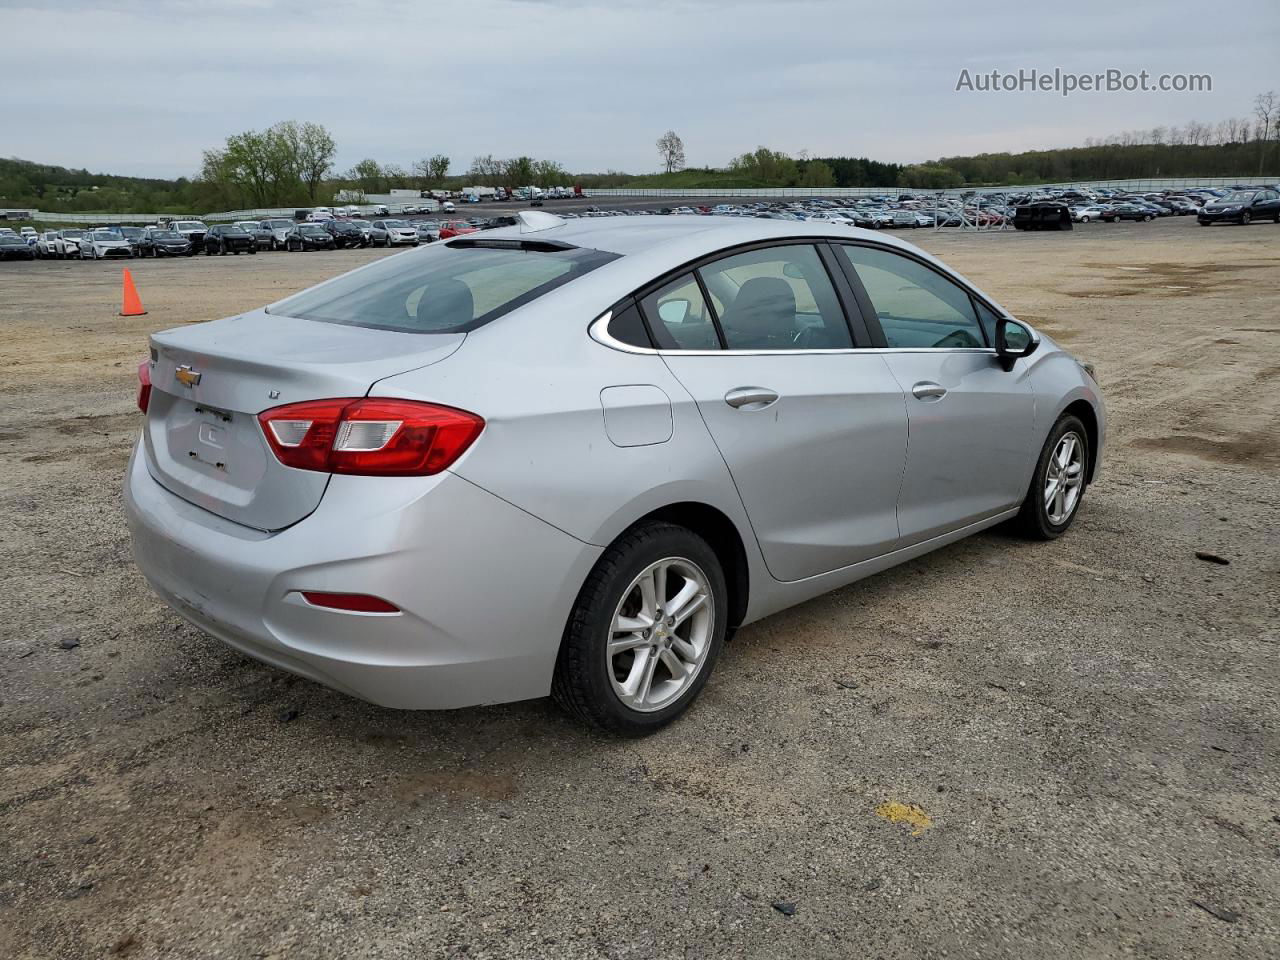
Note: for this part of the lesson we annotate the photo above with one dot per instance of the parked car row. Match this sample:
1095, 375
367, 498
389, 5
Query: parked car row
324, 228
188, 237
1239, 204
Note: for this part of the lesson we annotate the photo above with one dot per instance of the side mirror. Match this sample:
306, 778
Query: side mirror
1014, 340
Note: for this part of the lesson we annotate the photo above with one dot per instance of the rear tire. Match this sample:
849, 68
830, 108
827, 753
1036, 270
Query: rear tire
1043, 516
591, 683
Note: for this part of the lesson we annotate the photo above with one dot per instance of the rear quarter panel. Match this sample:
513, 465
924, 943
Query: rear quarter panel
536, 377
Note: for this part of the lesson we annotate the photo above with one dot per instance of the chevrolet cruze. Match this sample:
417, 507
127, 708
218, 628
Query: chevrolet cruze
571, 457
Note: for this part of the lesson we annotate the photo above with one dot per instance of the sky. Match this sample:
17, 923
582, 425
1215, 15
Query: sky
142, 87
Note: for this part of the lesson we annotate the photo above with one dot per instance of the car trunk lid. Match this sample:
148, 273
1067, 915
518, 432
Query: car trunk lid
210, 381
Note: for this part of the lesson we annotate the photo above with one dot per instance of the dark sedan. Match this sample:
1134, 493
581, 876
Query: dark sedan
134, 236
228, 238
1241, 206
345, 233
159, 242
1131, 211
309, 236
262, 236
15, 248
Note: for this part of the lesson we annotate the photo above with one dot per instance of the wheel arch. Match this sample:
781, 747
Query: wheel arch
1083, 409
722, 534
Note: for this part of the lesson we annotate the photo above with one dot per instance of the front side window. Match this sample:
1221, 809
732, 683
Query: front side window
988, 319
441, 289
679, 318
777, 298
917, 306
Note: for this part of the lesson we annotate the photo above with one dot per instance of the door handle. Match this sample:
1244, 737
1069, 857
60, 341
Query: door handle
750, 398
928, 390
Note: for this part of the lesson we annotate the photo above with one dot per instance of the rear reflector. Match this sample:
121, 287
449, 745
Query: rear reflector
144, 385
369, 436
353, 602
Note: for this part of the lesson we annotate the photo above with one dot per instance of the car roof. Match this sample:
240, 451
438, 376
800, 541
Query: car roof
652, 247
630, 236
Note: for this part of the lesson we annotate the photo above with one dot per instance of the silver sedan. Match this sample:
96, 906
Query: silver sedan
572, 457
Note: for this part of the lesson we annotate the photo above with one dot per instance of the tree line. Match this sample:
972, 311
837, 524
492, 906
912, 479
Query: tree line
291, 163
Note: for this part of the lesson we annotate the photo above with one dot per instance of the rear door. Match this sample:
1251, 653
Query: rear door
813, 430
971, 443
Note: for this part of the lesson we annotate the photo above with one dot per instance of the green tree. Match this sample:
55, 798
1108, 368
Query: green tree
816, 174
366, 175
312, 148
430, 171
772, 167
549, 173
518, 172
930, 176
438, 166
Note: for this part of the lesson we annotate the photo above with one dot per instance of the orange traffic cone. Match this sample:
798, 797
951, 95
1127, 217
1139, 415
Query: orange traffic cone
132, 306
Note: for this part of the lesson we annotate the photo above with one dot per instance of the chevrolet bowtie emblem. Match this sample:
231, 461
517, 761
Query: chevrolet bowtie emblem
186, 376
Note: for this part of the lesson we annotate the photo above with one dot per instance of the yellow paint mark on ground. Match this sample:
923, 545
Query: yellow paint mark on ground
909, 813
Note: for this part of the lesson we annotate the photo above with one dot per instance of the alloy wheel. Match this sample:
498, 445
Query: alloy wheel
660, 634
1064, 479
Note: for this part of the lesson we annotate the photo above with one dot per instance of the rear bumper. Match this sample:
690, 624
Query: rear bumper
484, 588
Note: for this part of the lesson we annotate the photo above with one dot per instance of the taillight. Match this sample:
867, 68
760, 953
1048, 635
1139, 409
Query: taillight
144, 385
369, 436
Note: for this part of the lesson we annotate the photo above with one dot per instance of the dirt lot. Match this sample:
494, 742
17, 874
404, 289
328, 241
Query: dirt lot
1091, 725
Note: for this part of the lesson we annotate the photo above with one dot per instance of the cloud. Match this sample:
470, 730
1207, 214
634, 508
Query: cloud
142, 87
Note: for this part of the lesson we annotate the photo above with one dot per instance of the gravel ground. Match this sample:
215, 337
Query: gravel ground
1081, 736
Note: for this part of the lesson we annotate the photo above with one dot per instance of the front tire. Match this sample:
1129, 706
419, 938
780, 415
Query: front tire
644, 633
1245, 218
1058, 484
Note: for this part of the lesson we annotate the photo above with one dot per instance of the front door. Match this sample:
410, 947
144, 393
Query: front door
970, 447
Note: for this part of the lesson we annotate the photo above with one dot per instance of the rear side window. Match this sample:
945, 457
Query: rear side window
679, 318
441, 289
917, 306
627, 326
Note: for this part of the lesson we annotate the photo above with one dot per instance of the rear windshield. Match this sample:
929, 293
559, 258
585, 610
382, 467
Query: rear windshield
441, 289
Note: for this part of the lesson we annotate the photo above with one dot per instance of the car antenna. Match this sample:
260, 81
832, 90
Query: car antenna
532, 221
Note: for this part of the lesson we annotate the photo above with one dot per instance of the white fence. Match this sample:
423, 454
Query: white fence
48, 216
1167, 183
